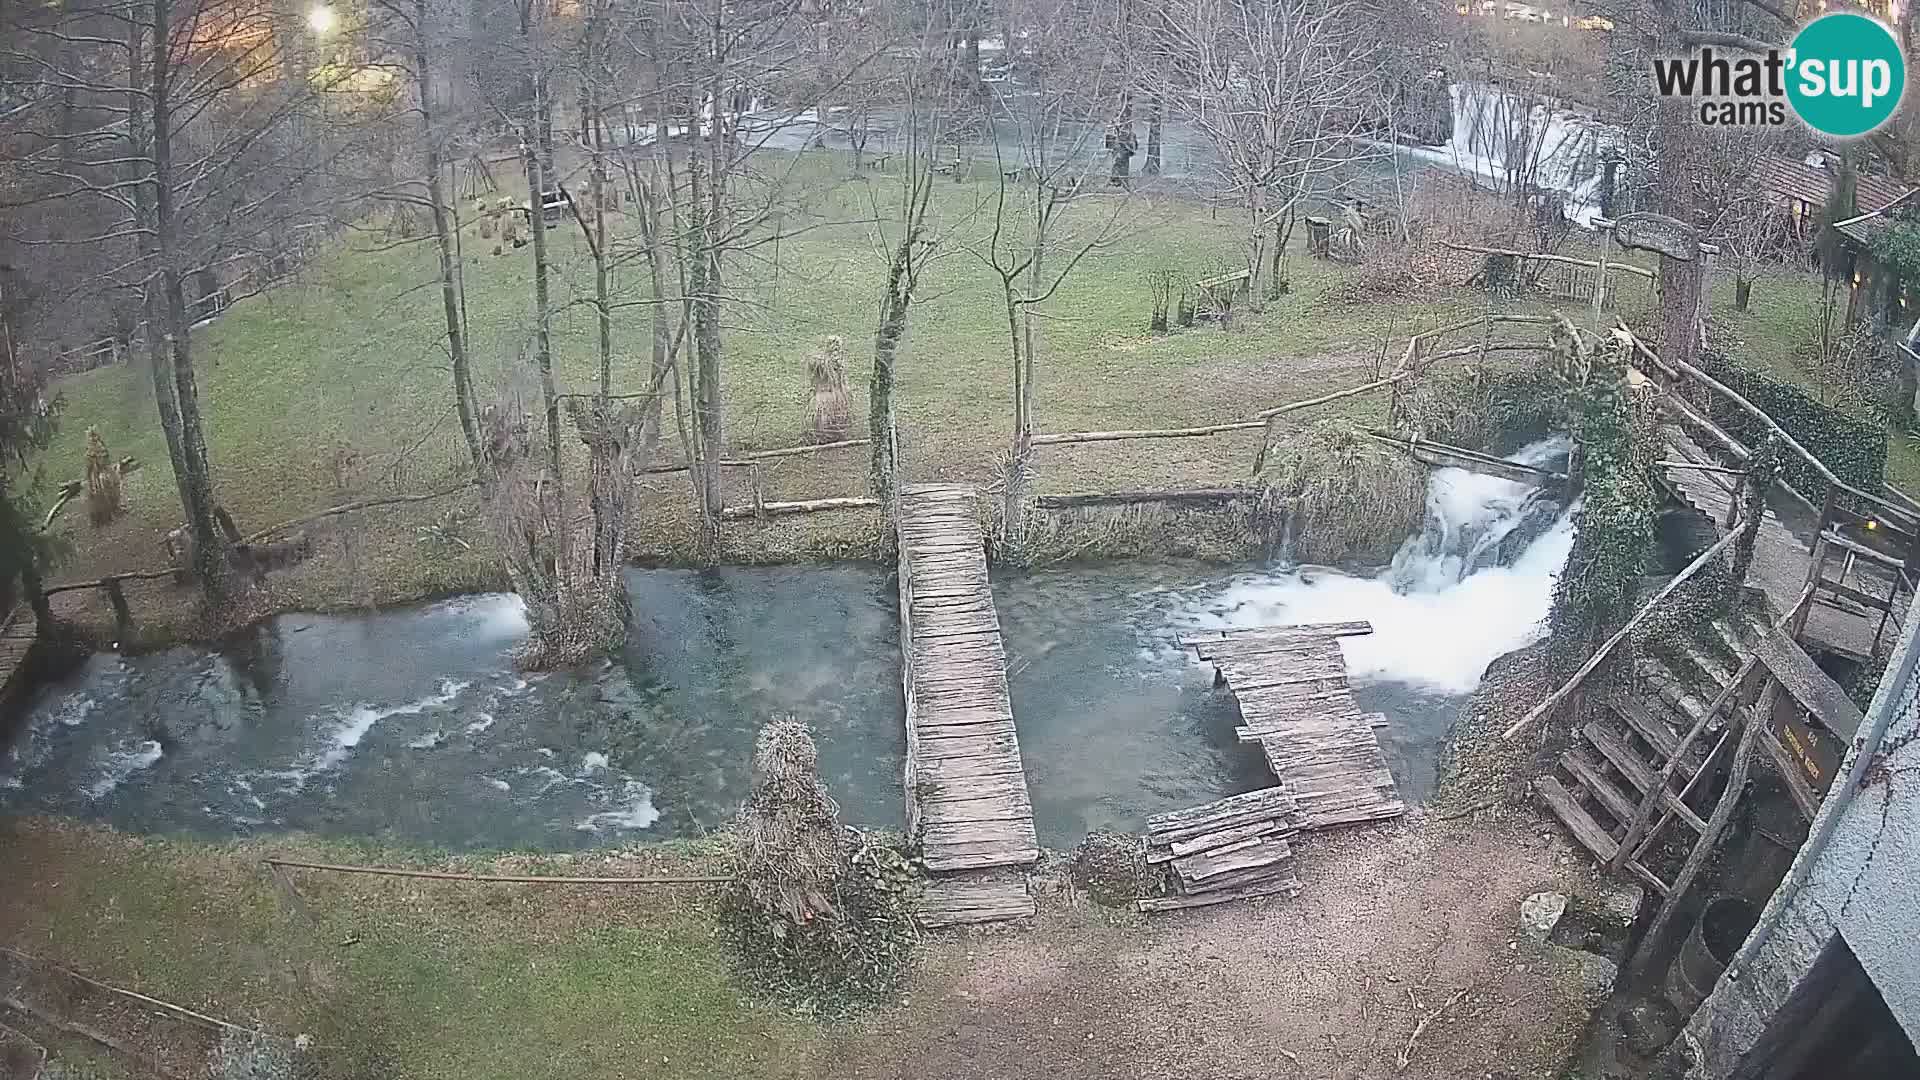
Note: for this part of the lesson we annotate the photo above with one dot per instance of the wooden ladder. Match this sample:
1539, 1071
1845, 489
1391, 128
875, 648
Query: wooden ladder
1640, 765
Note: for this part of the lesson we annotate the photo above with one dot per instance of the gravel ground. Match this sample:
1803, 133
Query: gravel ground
1392, 923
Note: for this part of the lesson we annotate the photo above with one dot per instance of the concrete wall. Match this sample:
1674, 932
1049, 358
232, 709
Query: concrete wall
1865, 885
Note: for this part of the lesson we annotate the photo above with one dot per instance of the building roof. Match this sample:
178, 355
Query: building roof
1795, 179
1864, 228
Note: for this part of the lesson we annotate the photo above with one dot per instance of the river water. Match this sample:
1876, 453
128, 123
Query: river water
411, 725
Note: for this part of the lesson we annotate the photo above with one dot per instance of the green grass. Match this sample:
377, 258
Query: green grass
391, 977
336, 387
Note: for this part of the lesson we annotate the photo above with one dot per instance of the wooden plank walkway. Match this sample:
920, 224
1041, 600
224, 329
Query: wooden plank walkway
966, 789
1781, 559
1291, 684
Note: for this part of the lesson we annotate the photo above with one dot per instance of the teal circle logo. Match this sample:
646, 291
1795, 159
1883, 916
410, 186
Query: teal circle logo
1846, 74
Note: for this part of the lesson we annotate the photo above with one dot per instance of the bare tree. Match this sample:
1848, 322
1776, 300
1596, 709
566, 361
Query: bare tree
1050, 204
1270, 84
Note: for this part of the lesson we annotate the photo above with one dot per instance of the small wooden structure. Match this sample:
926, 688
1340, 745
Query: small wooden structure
1232, 849
968, 810
1291, 685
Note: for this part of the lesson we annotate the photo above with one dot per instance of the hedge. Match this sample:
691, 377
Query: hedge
1855, 449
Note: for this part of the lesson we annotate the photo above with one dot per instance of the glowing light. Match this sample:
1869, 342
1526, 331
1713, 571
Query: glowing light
322, 19
1872, 524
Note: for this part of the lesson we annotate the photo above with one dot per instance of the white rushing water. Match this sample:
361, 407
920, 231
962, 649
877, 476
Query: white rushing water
1447, 606
1496, 132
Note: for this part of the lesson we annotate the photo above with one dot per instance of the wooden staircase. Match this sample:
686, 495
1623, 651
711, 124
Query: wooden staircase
1622, 766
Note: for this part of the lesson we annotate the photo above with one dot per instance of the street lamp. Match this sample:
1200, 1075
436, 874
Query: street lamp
322, 19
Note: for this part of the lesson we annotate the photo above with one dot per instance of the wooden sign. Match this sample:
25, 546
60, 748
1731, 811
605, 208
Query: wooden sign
1812, 748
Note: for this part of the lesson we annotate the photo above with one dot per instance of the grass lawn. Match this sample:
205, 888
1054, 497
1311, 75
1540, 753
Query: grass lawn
394, 977
334, 388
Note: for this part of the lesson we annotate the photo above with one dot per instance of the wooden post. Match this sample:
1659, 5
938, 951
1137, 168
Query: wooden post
759, 496
1703, 849
122, 614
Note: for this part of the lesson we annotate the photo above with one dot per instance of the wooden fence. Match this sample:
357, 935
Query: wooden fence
1422, 351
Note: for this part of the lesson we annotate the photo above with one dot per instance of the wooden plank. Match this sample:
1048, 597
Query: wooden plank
1586, 830
958, 901
1656, 731
1813, 688
1252, 852
1205, 842
1265, 804
1630, 764
1603, 790
1284, 884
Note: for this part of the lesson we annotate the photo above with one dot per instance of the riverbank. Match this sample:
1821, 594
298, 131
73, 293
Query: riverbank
427, 979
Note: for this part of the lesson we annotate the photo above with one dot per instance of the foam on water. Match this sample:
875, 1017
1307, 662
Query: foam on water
122, 762
1440, 613
638, 811
359, 720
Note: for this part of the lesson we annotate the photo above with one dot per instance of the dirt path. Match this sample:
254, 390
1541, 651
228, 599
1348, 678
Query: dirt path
1324, 986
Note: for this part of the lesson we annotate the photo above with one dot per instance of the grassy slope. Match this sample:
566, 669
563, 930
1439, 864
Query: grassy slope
335, 388
347, 365
397, 977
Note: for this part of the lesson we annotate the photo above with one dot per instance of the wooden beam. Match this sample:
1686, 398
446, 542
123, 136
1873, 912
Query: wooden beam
1067, 437
809, 506
1555, 698
1070, 500
1625, 268
1471, 460
1703, 848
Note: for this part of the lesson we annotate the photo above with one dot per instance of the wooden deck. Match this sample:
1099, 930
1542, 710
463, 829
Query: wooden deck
1781, 558
1291, 684
966, 789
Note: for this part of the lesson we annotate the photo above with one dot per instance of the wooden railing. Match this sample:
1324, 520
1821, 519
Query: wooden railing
1890, 517
1420, 353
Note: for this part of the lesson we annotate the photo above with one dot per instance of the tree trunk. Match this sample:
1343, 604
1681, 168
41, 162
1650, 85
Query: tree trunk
1742, 291
1152, 165
1681, 286
886, 349
705, 368
538, 155
443, 238
194, 477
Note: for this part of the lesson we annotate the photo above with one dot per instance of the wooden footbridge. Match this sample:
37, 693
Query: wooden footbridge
968, 809
1290, 683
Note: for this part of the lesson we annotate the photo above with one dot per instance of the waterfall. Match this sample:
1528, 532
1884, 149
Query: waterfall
1474, 584
1497, 133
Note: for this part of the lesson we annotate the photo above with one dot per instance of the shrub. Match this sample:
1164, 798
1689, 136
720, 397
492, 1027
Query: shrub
1855, 449
103, 480
818, 915
1335, 493
830, 408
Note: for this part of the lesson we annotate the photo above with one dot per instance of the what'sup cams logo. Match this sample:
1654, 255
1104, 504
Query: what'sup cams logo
1843, 76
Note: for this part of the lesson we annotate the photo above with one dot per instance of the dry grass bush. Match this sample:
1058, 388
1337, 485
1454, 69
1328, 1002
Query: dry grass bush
486, 228
1496, 408
1338, 495
103, 480
818, 915
830, 408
